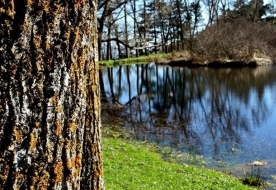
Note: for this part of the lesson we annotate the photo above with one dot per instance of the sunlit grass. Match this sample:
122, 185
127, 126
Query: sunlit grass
132, 60
133, 165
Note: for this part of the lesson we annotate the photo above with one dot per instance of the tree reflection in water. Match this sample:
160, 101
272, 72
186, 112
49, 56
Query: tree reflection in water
211, 112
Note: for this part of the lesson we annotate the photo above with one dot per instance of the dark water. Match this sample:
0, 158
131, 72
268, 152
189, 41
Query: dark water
227, 116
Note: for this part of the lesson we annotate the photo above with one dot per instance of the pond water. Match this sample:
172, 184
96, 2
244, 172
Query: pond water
227, 116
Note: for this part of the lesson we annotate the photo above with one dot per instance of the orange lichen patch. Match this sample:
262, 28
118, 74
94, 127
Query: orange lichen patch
73, 127
46, 6
37, 124
75, 77
12, 5
18, 135
40, 87
58, 128
58, 109
97, 173
54, 99
58, 171
33, 141
10, 13
50, 148
41, 181
26, 24
29, 2
2, 10
97, 65
75, 165
78, 165
97, 165
47, 46
19, 178
76, 37
95, 88
36, 39
78, 3
82, 58
56, 8
38, 67
50, 158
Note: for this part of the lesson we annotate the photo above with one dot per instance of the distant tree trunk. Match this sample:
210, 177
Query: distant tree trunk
117, 43
108, 47
180, 32
101, 22
126, 32
135, 28
212, 8
49, 98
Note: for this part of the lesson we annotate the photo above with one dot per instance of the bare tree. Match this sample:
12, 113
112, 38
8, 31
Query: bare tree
213, 11
106, 8
126, 31
49, 98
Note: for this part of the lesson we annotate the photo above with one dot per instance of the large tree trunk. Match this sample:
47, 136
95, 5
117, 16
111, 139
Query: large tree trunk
49, 98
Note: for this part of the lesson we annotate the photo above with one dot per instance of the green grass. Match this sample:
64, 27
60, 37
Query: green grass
132, 60
133, 165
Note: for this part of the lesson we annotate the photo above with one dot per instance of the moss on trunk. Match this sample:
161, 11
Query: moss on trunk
50, 109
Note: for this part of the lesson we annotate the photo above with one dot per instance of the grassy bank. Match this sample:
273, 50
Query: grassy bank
132, 165
160, 58
185, 59
132, 60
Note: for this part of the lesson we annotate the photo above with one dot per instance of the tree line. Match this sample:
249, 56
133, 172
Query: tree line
132, 28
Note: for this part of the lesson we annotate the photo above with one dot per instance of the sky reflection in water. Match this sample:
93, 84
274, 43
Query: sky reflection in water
225, 115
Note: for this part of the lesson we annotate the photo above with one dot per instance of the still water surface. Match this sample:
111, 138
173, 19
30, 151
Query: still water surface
228, 116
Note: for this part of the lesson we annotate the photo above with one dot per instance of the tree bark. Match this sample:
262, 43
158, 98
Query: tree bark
49, 98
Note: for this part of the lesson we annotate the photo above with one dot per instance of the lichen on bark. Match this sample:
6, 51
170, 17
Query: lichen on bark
50, 109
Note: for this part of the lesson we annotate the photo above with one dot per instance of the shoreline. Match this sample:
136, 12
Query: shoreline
184, 62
